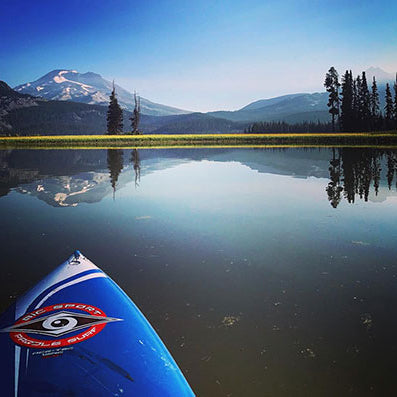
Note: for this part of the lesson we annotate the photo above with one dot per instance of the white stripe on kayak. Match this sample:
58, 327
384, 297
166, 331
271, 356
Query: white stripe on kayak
16, 369
77, 281
27, 360
68, 269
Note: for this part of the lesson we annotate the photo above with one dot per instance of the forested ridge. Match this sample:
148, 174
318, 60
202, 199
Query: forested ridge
353, 107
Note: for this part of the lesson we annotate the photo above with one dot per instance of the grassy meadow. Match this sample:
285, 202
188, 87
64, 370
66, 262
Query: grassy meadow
191, 140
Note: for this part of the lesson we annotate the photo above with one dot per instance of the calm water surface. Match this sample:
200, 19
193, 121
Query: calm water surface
265, 272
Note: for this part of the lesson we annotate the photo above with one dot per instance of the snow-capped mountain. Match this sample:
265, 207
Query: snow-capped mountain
90, 88
380, 75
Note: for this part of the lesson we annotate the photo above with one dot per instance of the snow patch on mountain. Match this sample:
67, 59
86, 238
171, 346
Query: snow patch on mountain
98, 97
59, 79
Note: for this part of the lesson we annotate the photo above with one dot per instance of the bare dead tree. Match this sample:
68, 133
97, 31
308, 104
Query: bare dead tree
136, 116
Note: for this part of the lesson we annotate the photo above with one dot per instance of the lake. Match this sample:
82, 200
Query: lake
266, 272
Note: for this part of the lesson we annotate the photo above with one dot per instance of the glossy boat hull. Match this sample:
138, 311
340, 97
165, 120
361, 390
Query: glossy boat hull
76, 333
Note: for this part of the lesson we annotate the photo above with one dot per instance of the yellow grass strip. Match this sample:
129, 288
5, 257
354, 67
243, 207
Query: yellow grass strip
194, 140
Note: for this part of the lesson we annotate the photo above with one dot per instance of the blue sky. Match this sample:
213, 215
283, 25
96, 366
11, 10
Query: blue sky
198, 55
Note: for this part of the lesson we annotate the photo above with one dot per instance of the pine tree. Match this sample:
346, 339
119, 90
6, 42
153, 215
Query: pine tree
364, 103
395, 102
374, 104
374, 99
346, 117
115, 115
388, 106
355, 115
332, 86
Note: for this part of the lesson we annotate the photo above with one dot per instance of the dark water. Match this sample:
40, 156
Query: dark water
265, 272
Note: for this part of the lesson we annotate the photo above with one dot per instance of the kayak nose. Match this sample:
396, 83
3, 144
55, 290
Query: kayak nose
76, 254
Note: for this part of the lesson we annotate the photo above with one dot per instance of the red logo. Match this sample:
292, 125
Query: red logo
65, 324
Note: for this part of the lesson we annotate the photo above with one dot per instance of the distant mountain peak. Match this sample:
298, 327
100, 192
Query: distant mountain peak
380, 74
56, 72
91, 74
90, 88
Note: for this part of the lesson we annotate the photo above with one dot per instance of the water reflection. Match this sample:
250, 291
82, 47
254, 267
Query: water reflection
355, 171
59, 178
334, 188
115, 165
67, 178
137, 166
253, 264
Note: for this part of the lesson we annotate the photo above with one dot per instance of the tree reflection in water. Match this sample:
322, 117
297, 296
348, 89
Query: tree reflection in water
115, 165
353, 172
137, 166
334, 188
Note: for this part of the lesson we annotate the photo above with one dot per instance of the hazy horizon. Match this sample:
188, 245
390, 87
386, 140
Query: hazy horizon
200, 56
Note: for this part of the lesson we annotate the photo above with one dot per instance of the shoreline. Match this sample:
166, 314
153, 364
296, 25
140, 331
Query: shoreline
387, 139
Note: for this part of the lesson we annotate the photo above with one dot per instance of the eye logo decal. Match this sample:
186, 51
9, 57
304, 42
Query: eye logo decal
57, 321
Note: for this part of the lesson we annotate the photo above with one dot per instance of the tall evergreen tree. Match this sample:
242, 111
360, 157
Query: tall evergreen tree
388, 106
332, 86
364, 103
374, 99
346, 117
115, 115
395, 102
355, 113
374, 105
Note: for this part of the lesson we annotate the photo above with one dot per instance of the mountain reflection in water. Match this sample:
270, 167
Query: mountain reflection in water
69, 177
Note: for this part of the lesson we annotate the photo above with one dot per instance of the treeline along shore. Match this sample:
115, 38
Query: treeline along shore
136, 141
353, 107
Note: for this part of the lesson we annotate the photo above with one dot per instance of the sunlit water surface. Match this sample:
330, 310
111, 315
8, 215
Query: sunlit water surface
265, 272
